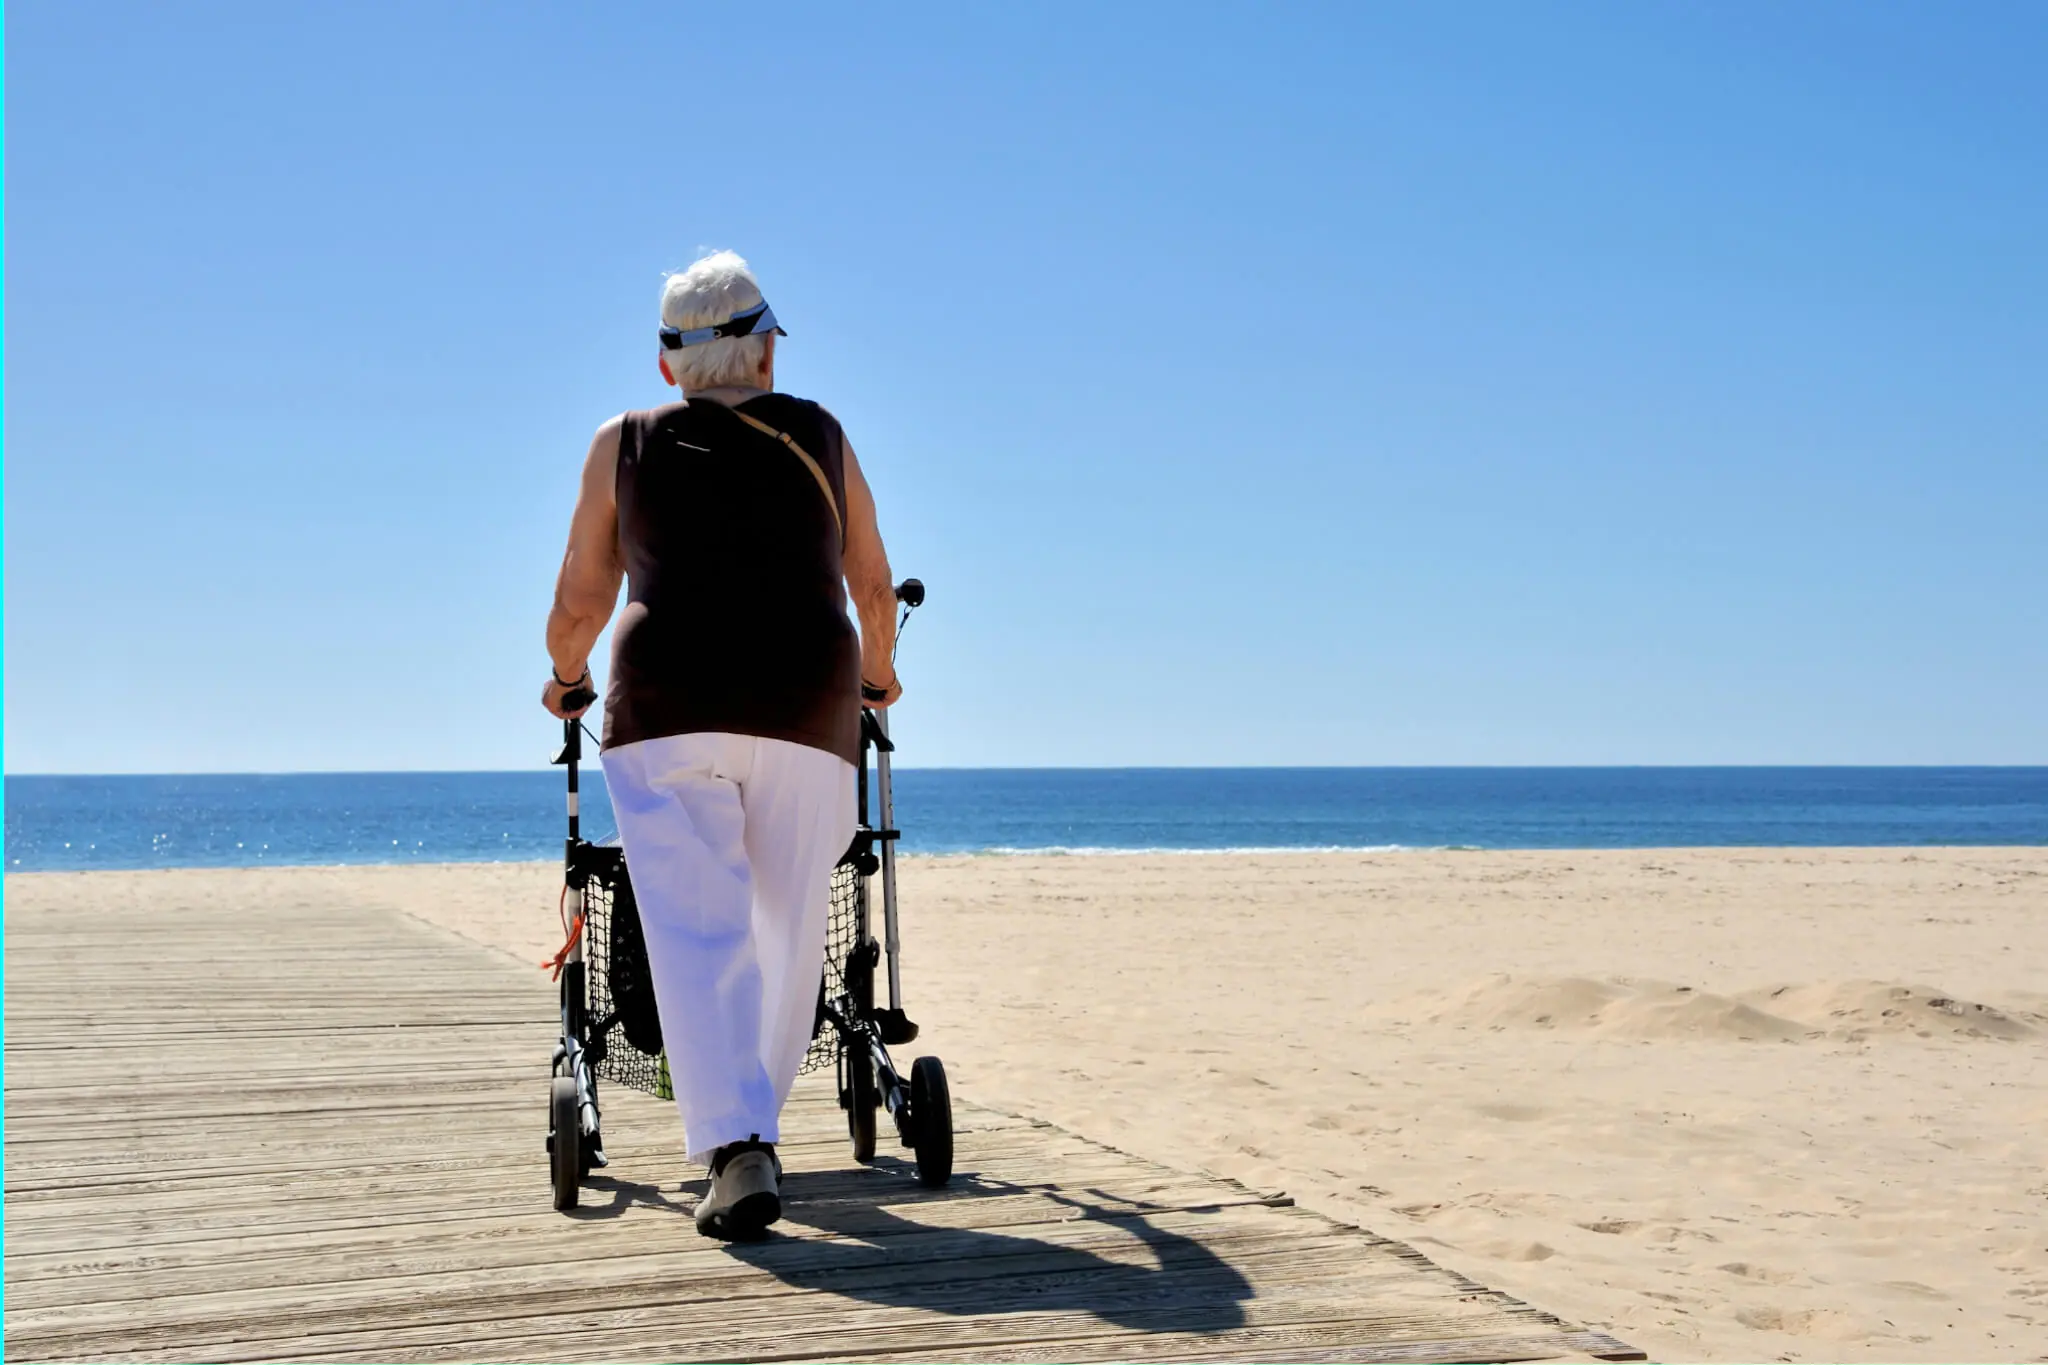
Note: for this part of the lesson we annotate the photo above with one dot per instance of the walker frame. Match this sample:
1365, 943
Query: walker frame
861, 1034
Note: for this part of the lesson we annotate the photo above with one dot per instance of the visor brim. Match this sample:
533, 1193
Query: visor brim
746, 323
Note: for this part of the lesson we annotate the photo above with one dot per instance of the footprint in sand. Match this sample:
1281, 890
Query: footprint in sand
1519, 1251
1803, 1322
1512, 1113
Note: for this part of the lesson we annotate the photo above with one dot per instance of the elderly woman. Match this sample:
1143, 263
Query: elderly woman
738, 518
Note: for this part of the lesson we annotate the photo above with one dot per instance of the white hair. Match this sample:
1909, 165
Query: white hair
709, 292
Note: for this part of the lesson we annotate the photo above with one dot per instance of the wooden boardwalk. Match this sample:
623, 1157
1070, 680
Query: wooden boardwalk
315, 1133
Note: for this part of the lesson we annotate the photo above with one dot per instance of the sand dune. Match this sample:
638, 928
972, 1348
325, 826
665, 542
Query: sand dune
1861, 1010
1852, 1011
1609, 1009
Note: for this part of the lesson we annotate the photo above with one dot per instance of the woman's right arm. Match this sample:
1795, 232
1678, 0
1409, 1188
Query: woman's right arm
873, 590
587, 588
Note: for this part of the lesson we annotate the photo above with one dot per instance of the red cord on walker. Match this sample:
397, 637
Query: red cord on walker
575, 932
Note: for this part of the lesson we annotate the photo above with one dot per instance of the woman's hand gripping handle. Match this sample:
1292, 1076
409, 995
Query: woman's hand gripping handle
910, 592
567, 700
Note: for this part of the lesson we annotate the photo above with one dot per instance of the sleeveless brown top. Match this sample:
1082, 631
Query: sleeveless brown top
735, 619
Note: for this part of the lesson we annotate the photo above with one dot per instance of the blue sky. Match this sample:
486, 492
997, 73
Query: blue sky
1316, 384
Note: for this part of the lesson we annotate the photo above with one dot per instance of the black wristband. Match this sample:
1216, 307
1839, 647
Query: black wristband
561, 681
870, 692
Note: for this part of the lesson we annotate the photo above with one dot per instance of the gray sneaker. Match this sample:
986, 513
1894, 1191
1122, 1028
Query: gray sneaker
743, 1198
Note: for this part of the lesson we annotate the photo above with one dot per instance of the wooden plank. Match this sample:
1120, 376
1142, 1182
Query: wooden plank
1306, 1346
1086, 1316
465, 1249
368, 1184
170, 1236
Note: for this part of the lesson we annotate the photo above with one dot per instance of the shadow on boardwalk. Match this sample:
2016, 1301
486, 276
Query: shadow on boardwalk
880, 1256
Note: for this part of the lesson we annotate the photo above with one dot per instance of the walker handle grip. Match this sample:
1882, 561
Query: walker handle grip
577, 700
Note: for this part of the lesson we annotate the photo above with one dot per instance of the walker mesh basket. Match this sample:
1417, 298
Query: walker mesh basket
608, 896
606, 893
842, 956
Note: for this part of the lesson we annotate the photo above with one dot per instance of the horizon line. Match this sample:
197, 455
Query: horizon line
592, 763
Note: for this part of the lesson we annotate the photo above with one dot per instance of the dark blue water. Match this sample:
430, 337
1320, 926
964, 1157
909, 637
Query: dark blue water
224, 821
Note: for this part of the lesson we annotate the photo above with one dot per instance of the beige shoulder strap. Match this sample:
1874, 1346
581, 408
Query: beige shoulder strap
824, 484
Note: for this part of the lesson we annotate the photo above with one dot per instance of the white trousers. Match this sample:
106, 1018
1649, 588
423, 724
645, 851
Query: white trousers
731, 841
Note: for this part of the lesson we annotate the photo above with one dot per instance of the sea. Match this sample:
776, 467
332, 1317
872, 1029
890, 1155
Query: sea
75, 823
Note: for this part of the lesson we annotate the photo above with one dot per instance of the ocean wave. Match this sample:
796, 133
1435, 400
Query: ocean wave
1094, 851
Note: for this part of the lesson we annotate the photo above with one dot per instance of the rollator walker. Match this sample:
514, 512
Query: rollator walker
610, 1028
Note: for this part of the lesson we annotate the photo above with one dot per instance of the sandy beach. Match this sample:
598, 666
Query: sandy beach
1725, 1104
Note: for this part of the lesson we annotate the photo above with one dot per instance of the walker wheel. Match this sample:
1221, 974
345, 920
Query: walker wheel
863, 1098
931, 1117
565, 1140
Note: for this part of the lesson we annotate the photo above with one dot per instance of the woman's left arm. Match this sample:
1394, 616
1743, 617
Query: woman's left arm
874, 593
588, 587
